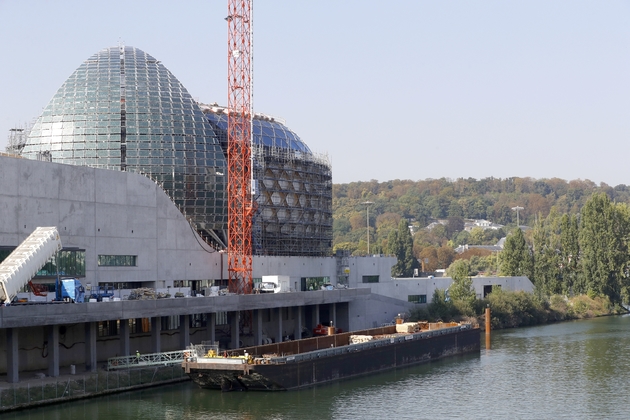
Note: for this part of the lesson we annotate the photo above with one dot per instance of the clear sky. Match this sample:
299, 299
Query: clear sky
401, 89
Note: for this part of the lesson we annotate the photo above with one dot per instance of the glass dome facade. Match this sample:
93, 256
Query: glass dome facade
266, 132
123, 110
293, 189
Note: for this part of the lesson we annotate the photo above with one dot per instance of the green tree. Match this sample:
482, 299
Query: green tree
516, 258
570, 253
476, 236
441, 307
546, 276
604, 235
400, 244
462, 286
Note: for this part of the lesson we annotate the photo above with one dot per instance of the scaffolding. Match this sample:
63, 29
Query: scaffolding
292, 184
17, 139
294, 197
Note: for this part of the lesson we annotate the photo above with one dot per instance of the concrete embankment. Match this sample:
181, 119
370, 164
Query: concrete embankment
36, 389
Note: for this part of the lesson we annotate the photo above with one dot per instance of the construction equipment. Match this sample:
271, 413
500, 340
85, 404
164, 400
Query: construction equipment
66, 290
26, 260
239, 155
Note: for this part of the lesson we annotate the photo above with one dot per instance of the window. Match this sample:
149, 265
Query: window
370, 279
417, 298
313, 283
71, 263
118, 260
5, 252
221, 318
108, 328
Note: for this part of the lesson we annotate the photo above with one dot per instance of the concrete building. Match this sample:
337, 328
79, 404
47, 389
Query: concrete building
421, 289
123, 110
103, 216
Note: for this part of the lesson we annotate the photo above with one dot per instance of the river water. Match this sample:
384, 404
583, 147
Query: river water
571, 370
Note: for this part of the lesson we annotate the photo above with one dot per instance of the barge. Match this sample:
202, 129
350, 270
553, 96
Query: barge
310, 361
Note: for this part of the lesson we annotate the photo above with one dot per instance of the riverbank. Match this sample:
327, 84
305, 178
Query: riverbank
518, 309
37, 389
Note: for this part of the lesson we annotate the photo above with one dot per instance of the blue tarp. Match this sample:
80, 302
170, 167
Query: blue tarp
72, 288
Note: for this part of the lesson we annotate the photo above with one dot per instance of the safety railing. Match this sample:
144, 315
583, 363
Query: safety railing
146, 360
32, 393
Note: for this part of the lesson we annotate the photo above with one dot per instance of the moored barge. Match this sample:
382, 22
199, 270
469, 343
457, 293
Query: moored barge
306, 362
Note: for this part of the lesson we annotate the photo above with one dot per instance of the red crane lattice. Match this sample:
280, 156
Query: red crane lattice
239, 193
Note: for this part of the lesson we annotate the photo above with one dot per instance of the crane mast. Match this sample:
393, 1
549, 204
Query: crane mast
239, 155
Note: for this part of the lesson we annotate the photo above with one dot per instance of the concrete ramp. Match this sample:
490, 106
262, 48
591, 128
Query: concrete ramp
26, 260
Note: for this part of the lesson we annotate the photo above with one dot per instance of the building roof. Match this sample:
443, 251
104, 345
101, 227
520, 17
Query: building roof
266, 130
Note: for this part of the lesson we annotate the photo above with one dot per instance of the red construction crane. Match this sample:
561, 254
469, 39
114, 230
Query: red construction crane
239, 192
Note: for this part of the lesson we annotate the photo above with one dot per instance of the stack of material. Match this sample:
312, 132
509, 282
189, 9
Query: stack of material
407, 327
143, 293
356, 339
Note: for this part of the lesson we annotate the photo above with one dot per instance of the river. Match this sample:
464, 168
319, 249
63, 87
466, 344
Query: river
571, 370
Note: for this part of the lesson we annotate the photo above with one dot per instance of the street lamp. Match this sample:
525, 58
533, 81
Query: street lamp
367, 209
517, 209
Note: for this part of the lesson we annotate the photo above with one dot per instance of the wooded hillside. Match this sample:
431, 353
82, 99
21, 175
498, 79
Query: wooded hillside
421, 202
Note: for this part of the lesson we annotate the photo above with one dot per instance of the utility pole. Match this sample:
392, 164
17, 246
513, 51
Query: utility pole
367, 208
517, 209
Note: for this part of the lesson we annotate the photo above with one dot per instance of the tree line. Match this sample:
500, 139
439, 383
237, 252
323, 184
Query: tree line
572, 254
398, 207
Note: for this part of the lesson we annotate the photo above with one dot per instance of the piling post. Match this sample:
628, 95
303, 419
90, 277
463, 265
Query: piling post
488, 320
488, 327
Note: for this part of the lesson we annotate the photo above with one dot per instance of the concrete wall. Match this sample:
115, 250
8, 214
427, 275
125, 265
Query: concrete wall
373, 265
401, 288
106, 213
298, 267
121, 213
373, 310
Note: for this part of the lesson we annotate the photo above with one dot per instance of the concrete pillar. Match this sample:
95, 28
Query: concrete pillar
184, 331
53, 350
156, 333
297, 332
124, 338
234, 318
343, 316
257, 325
278, 333
212, 323
90, 346
13, 359
315, 315
333, 313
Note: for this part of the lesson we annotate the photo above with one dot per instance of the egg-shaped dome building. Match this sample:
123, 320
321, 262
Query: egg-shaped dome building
293, 188
123, 110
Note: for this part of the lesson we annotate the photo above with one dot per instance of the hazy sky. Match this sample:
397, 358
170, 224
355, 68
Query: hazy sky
401, 89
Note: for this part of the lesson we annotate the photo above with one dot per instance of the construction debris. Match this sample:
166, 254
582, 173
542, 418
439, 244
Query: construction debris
407, 327
357, 339
146, 293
